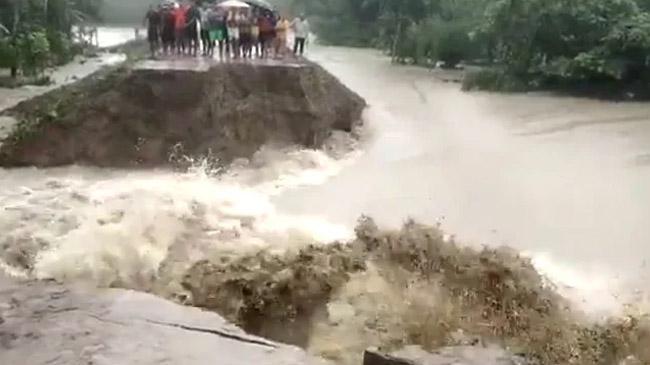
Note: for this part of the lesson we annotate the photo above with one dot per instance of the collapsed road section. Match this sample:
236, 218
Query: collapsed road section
137, 116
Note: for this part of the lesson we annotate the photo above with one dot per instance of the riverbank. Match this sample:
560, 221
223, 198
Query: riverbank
116, 47
78, 69
498, 80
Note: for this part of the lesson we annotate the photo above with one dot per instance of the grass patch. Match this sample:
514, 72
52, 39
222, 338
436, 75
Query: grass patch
59, 106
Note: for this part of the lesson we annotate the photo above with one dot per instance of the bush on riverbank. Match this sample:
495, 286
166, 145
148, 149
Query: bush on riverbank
555, 43
40, 34
493, 79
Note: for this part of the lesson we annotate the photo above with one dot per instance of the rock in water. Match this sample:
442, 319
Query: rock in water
137, 117
371, 357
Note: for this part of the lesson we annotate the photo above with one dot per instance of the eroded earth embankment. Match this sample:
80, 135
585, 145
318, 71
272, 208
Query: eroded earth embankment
138, 117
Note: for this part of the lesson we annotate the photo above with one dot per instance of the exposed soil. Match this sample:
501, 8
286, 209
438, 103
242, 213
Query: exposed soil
273, 296
137, 117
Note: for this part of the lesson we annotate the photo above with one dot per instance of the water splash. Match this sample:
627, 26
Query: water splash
115, 228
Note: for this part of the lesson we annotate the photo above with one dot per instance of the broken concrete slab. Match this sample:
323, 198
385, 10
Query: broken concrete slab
48, 323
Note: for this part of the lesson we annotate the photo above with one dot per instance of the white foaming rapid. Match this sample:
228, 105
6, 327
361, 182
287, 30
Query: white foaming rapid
117, 227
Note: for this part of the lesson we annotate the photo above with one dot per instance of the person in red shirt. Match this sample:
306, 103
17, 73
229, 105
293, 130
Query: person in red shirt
179, 27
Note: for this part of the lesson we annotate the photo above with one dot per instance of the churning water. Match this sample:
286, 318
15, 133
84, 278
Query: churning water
563, 180
116, 227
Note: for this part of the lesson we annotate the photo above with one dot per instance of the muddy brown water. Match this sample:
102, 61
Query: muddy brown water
564, 179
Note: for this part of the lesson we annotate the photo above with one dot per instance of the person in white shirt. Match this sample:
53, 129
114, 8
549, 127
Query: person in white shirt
300, 28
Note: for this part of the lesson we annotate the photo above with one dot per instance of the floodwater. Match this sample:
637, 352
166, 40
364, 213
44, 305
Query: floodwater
566, 180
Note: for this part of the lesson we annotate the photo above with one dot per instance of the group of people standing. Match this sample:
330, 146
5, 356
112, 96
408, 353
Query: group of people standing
192, 27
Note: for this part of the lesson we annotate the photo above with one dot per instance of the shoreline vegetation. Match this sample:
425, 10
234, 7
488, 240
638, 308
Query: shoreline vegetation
590, 47
38, 35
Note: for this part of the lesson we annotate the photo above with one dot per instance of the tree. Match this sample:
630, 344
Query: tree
534, 41
39, 32
34, 51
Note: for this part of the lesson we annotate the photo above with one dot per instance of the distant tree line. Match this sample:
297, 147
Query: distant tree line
38, 33
533, 42
125, 11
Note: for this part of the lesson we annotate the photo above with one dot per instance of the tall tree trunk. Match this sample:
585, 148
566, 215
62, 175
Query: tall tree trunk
396, 39
14, 34
16, 17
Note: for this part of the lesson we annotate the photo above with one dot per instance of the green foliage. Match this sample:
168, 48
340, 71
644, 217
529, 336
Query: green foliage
8, 54
453, 44
60, 46
586, 40
418, 31
34, 50
124, 11
538, 41
37, 33
494, 79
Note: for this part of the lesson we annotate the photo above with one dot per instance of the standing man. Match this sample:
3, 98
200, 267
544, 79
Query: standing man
153, 20
255, 33
168, 29
193, 18
267, 33
179, 28
245, 35
300, 28
281, 30
217, 30
205, 29
233, 33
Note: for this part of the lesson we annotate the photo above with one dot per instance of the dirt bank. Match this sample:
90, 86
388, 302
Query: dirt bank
136, 117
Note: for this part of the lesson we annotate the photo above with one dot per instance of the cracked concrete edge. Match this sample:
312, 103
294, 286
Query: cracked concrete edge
49, 323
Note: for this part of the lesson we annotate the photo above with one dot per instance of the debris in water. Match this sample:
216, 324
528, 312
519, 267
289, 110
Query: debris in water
408, 287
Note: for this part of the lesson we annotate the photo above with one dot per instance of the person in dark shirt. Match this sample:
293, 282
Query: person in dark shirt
193, 18
245, 35
205, 31
267, 32
167, 31
153, 20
